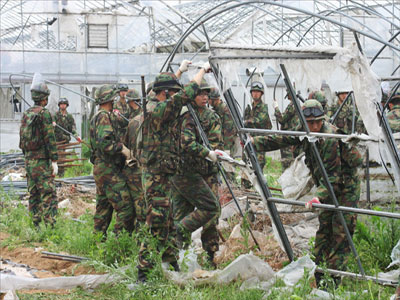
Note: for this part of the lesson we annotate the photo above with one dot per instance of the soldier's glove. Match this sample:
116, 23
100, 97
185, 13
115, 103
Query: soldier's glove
309, 204
275, 104
184, 65
126, 152
207, 67
213, 156
54, 124
116, 112
55, 168
353, 139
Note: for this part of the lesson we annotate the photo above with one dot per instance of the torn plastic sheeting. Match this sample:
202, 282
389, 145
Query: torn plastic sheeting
296, 181
292, 273
395, 256
14, 283
244, 267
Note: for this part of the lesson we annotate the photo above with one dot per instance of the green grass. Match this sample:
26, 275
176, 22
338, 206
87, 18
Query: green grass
77, 238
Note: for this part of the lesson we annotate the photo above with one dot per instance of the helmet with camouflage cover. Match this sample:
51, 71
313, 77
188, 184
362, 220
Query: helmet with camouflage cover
396, 95
149, 87
312, 109
204, 86
166, 81
214, 94
318, 95
132, 95
63, 101
39, 92
257, 86
104, 94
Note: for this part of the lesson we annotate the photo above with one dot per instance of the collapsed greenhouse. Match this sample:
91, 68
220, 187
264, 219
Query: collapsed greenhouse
292, 47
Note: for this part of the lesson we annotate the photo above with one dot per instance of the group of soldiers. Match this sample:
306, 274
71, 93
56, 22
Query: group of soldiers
152, 168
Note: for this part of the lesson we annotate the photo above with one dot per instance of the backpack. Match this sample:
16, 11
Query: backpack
30, 131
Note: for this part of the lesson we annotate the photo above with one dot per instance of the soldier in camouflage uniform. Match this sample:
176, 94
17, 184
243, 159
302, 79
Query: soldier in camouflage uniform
320, 96
121, 111
66, 121
341, 161
132, 170
40, 153
108, 157
345, 117
229, 132
394, 115
288, 121
257, 116
158, 156
195, 198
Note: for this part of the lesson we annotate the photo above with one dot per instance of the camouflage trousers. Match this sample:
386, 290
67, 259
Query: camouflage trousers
112, 193
133, 177
42, 190
286, 157
159, 222
195, 203
331, 244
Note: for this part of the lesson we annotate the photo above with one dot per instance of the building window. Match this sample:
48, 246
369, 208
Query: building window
97, 36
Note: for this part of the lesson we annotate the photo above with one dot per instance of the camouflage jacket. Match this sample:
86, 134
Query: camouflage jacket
119, 122
157, 146
48, 148
103, 140
131, 137
289, 120
229, 131
394, 118
257, 116
191, 149
345, 118
67, 122
134, 112
340, 160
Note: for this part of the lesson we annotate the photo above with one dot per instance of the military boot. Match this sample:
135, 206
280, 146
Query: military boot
175, 265
210, 259
142, 276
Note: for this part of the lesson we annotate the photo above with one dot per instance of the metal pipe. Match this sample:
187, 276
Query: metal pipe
310, 56
346, 209
333, 119
302, 133
357, 276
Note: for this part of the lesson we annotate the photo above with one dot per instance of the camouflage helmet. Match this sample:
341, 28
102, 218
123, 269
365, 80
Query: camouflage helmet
104, 94
312, 109
122, 87
132, 95
257, 86
204, 86
318, 95
214, 94
149, 87
63, 101
341, 92
39, 92
166, 81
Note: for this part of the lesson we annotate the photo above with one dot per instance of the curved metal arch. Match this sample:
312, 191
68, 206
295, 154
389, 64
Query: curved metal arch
274, 15
383, 47
384, 7
330, 11
195, 25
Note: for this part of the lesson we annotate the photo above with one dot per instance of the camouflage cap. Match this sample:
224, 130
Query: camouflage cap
63, 101
214, 94
204, 86
166, 81
257, 86
104, 94
39, 92
312, 109
318, 95
132, 95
